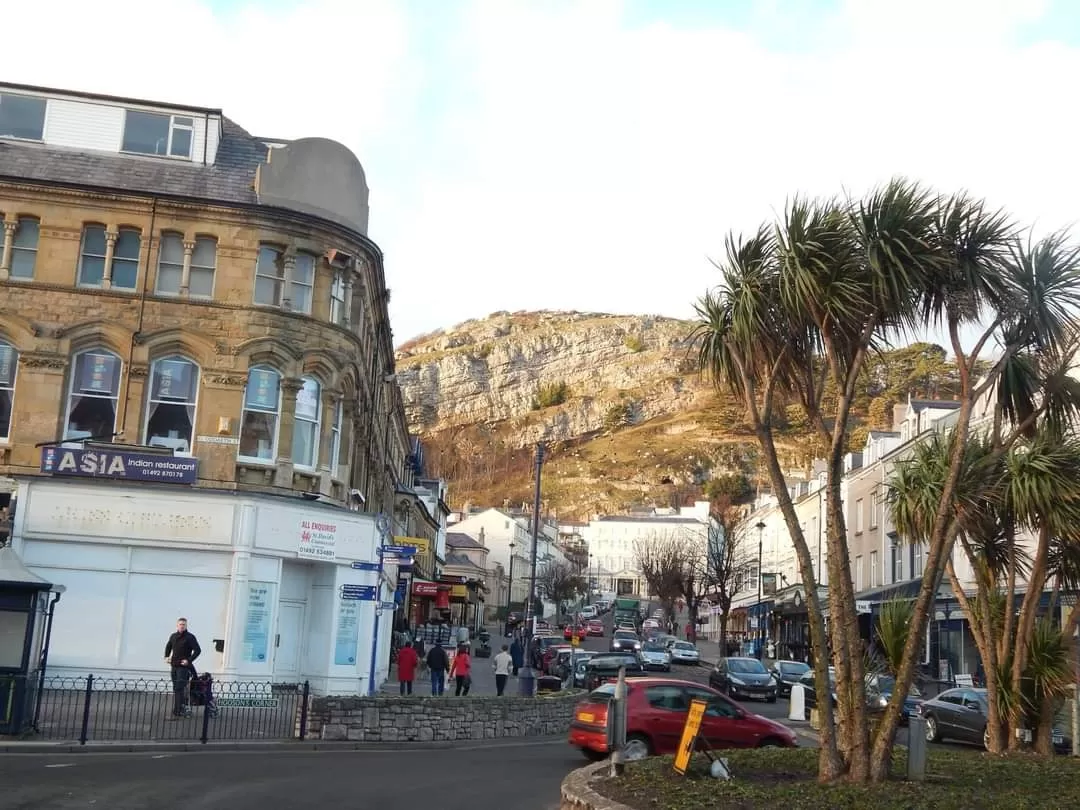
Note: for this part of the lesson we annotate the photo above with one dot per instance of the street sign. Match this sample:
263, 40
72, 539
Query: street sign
365, 566
400, 551
689, 736
365, 592
388, 605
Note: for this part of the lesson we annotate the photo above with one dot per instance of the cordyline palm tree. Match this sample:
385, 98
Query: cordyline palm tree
800, 306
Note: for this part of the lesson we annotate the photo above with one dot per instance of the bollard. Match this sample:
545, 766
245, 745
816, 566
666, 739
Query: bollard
797, 703
617, 713
916, 753
526, 681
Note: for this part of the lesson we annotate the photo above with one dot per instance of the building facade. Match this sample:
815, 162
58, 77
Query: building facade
198, 413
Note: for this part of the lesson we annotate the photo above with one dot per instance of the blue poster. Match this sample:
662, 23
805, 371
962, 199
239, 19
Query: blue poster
348, 628
256, 646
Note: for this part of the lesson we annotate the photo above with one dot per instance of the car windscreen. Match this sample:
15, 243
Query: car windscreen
684, 645
653, 647
625, 634
746, 666
794, 669
612, 662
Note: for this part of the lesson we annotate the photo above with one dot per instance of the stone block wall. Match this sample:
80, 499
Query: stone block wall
427, 719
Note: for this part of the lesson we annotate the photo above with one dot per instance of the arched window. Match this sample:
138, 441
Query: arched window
93, 394
259, 421
9, 364
305, 444
170, 404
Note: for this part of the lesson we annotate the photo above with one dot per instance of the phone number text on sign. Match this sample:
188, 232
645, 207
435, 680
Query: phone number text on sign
318, 540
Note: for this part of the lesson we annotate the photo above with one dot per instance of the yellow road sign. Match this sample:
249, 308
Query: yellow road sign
689, 735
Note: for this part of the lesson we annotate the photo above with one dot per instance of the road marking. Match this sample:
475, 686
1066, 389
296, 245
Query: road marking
64, 765
161, 756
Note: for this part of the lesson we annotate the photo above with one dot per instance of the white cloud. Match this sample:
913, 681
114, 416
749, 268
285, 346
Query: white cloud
576, 161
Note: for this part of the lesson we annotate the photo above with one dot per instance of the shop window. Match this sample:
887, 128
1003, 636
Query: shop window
170, 412
261, 413
93, 395
9, 363
305, 445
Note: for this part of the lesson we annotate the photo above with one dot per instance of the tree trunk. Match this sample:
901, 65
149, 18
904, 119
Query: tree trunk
1025, 626
1044, 742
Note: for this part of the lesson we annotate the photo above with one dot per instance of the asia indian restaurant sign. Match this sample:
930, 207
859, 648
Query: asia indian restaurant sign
318, 539
118, 465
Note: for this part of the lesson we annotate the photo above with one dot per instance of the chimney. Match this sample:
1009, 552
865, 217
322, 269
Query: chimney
480, 537
899, 413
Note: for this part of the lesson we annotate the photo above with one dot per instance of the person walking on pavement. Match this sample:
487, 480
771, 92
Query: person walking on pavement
517, 654
503, 663
181, 650
407, 661
438, 663
461, 671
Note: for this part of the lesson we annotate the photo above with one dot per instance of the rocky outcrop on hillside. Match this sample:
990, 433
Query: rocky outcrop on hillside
552, 376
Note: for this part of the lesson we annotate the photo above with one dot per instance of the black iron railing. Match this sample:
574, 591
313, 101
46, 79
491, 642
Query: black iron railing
99, 709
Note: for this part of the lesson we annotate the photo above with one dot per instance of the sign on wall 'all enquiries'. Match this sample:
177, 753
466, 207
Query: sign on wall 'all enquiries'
318, 539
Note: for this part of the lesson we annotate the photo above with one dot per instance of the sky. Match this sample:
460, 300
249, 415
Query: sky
593, 154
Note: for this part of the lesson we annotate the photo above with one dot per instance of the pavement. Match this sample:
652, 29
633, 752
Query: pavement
525, 776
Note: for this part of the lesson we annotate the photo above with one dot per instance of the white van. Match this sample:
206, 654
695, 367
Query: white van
589, 612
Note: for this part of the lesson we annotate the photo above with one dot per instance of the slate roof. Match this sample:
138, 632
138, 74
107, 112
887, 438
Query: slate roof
231, 179
461, 540
461, 561
939, 404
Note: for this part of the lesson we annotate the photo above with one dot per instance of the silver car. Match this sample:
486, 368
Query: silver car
683, 652
656, 656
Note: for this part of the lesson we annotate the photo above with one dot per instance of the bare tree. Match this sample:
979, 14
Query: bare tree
660, 558
561, 582
727, 560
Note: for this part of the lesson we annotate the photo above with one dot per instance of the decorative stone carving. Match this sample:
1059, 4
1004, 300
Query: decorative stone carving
224, 378
290, 386
139, 372
48, 361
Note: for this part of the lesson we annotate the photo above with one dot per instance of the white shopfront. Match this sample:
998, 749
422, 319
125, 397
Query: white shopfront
260, 580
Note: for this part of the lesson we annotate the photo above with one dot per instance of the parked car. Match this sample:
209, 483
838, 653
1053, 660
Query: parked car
589, 612
656, 656
650, 624
551, 656
743, 677
960, 714
656, 712
874, 700
578, 660
605, 666
883, 685
787, 674
683, 652
628, 626
595, 627
623, 640
667, 639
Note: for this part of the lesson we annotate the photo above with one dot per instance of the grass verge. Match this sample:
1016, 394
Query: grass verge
786, 778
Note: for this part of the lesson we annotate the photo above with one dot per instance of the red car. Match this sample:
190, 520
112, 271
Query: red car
656, 713
569, 632
595, 627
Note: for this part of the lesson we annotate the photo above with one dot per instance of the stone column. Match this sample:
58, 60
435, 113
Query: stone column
185, 272
10, 224
290, 387
286, 285
110, 247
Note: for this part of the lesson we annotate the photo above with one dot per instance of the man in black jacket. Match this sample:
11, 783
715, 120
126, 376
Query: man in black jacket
181, 650
438, 662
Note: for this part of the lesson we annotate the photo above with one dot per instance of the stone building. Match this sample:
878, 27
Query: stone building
198, 408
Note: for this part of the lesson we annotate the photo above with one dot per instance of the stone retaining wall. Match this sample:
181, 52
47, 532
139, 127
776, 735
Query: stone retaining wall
576, 794
426, 719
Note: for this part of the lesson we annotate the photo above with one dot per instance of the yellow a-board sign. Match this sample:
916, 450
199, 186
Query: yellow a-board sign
689, 735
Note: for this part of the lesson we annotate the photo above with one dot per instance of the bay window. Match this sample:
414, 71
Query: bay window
261, 415
305, 445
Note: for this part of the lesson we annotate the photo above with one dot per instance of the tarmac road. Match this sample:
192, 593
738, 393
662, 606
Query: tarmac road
524, 776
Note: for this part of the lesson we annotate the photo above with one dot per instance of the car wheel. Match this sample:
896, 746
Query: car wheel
770, 742
986, 738
637, 747
772, 698
932, 732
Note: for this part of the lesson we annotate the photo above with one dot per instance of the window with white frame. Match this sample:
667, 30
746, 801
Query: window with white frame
203, 267
125, 263
170, 272
305, 445
260, 418
148, 133
873, 510
22, 117
93, 395
269, 275
335, 438
170, 408
859, 515
92, 256
301, 283
858, 573
874, 570
24, 245
337, 298
916, 560
9, 365
897, 553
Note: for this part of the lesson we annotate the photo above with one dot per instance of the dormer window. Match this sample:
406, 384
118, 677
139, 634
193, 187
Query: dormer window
147, 133
22, 117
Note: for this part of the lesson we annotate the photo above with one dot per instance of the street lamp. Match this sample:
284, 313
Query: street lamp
760, 537
588, 581
527, 677
509, 590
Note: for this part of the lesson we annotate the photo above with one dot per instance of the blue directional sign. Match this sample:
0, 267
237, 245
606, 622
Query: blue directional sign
365, 566
364, 592
388, 605
400, 551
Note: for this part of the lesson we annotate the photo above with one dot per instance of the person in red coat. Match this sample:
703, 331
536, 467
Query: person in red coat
407, 661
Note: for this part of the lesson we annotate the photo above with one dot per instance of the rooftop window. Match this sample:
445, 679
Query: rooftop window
22, 117
148, 133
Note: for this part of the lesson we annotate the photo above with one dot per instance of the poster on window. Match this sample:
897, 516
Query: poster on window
307, 403
173, 380
7, 365
348, 629
256, 644
262, 389
98, 374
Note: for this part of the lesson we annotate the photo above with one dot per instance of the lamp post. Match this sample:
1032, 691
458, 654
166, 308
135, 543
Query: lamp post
527, 677
588, 581
509, 589
760, 540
